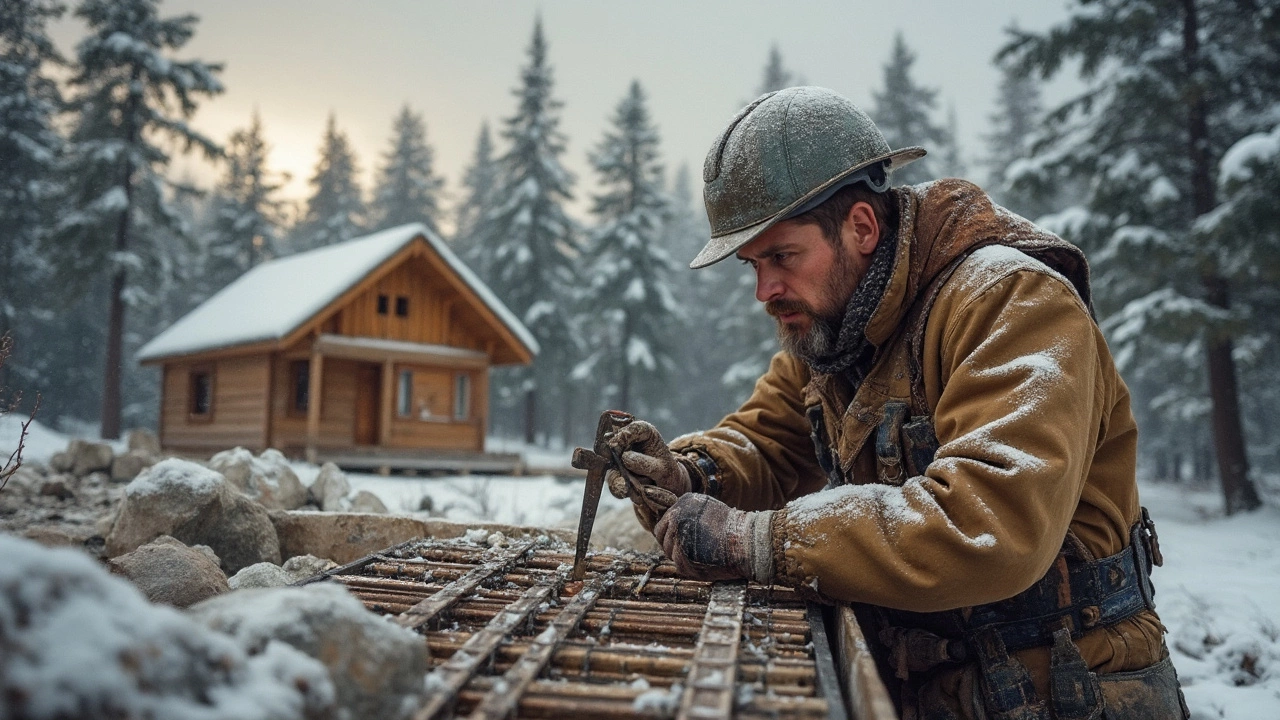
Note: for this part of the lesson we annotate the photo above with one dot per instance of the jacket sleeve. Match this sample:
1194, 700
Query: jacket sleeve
1017, 420
763, 451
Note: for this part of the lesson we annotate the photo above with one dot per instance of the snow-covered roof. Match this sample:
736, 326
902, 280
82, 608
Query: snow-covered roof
279, 296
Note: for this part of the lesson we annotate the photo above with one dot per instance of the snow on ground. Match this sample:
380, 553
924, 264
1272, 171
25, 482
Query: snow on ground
41, 442
1219, 595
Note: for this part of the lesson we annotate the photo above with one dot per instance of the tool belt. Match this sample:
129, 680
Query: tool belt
1077, 594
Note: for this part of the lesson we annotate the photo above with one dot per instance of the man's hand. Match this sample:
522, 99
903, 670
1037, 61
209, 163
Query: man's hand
708, 540
643, 452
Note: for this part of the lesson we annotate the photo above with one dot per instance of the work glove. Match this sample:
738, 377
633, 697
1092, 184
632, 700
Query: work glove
708, 540
659, 478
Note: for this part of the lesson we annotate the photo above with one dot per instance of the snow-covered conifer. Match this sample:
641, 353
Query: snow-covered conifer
776, 76
479, 182
1014, 126
629, 296
335, 211
408, 189
903, 110
129, 95
246, 214
531, 242
1171, 90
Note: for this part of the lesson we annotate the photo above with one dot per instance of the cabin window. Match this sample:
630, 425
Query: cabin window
404, 394
461, 396
201, 400
384, 304
402, 306
300, 382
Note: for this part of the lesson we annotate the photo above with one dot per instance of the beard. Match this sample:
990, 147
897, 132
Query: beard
820, 338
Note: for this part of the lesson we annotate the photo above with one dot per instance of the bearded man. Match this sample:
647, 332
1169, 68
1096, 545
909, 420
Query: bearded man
944, 443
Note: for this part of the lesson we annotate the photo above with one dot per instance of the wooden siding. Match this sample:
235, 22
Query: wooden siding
433, 391
337, 406
239, 410
437, 313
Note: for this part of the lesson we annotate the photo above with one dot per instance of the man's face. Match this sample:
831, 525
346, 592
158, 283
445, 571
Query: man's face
805, 281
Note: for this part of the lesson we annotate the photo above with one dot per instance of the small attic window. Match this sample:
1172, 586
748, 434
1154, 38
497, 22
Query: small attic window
384, 304
402, 306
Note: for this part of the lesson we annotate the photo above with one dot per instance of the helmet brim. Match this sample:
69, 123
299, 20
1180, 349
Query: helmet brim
725, 244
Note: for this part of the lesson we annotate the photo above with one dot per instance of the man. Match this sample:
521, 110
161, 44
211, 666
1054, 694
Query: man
944, 380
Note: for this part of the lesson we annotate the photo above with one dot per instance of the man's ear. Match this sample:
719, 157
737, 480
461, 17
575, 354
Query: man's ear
861, 229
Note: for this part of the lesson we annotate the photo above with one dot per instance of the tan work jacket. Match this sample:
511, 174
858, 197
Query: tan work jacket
1032, 418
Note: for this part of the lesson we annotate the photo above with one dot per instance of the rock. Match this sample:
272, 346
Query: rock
87, 457
330, 489
169, 572
60, 462
426, 504
376, 666
260, 575
307, 566
207, 552
195, 505
345, 537
128, 466
366, 502
79, 642
59, 535
620, 529
56, 488
268, 479
26, 481
145, 442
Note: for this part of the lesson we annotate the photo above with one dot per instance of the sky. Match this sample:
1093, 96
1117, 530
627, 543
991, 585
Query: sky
297, 61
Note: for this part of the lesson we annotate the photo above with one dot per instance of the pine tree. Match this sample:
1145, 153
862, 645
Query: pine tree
1173, 87
246, 215
128, 95
29, 148
408, 190
776, 76
1014, 126
335, 211
951, 156
479, 182
629, 298
904, 113
532, 242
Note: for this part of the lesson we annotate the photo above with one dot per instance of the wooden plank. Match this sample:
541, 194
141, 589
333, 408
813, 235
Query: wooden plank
422, 613
709, 692
868, 698
501, 702
444, 683
315, 391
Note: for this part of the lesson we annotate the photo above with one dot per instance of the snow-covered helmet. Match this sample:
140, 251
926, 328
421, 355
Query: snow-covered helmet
783, 154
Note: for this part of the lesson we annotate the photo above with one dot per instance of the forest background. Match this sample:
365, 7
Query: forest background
1146, 131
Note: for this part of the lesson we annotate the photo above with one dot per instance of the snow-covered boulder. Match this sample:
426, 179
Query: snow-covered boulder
25, 481
87, 457
131, 464
268, 479
169, 572
330, 489
76, 642
376, 666
260, 575
197, 506
306, 566
366, 502
60, 462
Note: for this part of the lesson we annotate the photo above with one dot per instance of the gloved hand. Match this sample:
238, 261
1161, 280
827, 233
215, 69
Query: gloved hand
708, 540
646, 456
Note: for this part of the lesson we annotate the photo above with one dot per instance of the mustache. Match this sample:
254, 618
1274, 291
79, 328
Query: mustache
783, 307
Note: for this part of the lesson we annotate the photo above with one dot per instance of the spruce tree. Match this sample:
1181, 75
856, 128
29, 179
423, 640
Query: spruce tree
1014, 124
533, 243
776, 76
408, 189
29, 148
629, 298
1173, 86
128, 96
335, 211
903, 110
246, 215
479, 182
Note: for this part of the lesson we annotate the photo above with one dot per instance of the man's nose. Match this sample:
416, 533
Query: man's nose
768, 285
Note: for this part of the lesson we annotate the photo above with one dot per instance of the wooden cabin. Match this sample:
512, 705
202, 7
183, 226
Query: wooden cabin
382, 342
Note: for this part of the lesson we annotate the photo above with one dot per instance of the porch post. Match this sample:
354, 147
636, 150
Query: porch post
388, 402
315, 391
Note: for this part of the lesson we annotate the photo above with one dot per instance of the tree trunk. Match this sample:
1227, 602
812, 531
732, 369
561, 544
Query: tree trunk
1228, 433
530, 414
